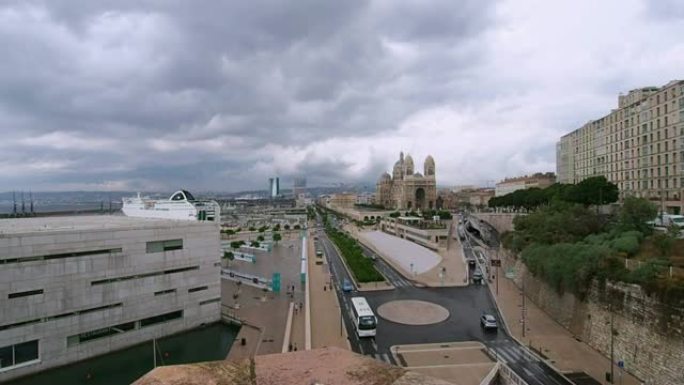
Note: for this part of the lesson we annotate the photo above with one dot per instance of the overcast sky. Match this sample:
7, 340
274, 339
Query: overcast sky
164, 94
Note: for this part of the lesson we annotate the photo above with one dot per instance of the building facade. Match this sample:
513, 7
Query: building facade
406, 189
639, 146
274, 187
77, 287
299, 187
539, 180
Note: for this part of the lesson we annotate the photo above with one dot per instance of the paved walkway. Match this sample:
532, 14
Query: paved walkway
461, 363
554, 341
452, 269
410, 256
326, 321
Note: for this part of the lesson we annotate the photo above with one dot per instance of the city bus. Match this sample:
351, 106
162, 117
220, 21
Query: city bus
363, 317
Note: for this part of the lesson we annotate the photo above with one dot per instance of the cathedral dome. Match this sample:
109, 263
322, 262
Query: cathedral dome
429, 166
418, 175
408, 165
385, 177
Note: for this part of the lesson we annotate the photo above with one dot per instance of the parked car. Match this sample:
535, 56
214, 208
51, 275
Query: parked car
487, 321
347, 286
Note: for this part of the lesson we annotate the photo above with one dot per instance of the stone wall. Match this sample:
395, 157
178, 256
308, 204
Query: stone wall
649, 335
502, 222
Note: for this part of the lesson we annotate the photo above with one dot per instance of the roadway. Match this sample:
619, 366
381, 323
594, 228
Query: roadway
465, 305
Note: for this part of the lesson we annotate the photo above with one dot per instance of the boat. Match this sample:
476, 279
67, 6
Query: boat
180, 206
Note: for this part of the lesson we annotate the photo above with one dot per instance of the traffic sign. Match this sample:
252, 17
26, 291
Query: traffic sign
621, 364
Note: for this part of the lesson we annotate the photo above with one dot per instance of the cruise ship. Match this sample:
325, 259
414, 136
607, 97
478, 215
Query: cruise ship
181, 206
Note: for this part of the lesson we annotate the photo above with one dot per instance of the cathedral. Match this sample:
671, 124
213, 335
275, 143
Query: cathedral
406, 190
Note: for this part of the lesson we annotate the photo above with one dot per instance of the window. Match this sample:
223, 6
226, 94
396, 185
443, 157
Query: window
161, 318
24, 293
162, 292
18, 354
168, 245
145, 275
99, 333
60, 256
213, 300
58, 316
200, 288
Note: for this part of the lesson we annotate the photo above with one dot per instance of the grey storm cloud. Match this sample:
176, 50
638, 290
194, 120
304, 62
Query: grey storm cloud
221, 95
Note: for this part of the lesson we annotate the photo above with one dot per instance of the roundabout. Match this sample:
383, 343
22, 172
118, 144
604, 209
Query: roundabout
413, 312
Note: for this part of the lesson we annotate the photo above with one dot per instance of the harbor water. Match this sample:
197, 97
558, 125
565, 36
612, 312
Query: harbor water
208, 343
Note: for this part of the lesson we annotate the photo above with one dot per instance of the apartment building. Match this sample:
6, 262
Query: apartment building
639, 146
76, 287
539, 180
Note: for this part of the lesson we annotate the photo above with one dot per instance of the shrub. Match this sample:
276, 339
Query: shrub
362, 267
628, 244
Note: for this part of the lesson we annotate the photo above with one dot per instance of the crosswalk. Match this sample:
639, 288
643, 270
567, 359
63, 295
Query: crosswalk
509, 352
400, 282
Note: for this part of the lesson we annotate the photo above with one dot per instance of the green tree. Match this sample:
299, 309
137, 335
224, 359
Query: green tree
263, 229
297, 227
260, 238
277, 237
287, 227
254, 244
596, 190
395, 214
252, 228
228, 255
236, 244
635, 213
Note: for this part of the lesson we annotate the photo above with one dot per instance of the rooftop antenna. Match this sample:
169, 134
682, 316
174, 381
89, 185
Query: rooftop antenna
14, 203
110, 202
31, 198
23, 206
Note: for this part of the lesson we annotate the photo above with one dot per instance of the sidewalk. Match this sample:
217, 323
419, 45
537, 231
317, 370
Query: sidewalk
453, 262
555, 342
326, 321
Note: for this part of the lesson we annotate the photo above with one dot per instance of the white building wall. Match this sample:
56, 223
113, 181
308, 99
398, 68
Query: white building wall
68, 286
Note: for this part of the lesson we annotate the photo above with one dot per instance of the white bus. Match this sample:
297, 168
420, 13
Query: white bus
364, 319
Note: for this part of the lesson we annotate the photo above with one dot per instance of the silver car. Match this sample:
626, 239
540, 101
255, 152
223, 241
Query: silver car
488, 321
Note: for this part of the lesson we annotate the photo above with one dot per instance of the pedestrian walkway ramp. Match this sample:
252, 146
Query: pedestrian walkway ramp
410, 256
463, 363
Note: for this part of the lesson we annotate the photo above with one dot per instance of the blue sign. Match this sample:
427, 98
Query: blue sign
275, 283
621, 364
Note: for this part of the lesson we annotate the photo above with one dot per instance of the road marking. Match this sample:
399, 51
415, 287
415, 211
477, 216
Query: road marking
503, 354
382, 357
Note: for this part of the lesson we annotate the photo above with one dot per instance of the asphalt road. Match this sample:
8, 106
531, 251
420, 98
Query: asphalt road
465, 305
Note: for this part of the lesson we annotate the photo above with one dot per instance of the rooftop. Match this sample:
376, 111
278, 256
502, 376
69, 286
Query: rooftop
330, 366
83, 223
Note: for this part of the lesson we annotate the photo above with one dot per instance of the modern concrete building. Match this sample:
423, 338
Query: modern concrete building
539, 180
639, 146
76, 287
427, 233
299, 187
274, 187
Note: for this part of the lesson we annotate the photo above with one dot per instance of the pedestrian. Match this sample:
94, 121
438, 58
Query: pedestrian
295, 347
289, 347
325, 288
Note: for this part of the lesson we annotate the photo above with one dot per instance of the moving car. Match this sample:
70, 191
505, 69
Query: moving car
477, 275
471, 262
488, 321
347, 286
